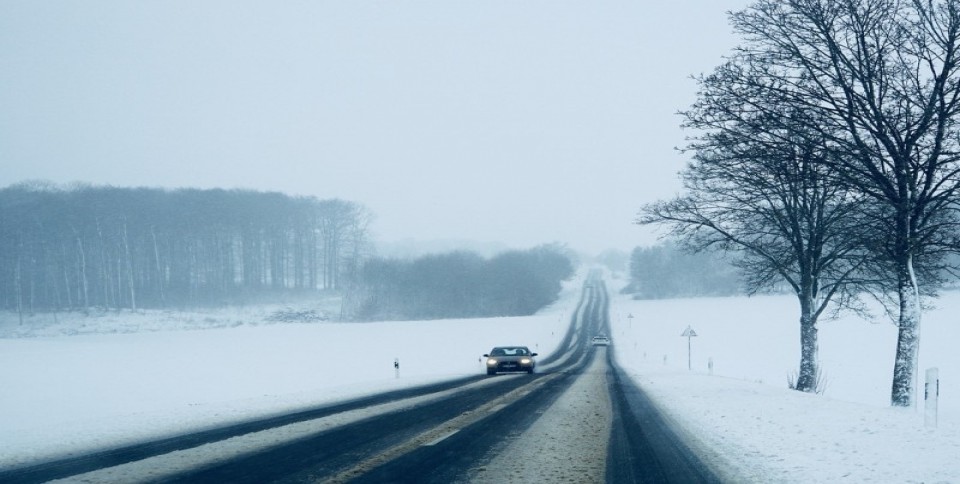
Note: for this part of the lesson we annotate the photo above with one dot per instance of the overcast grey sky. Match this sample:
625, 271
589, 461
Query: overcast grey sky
515, 121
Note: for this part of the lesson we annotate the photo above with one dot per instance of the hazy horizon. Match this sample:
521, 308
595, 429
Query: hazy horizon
518, 123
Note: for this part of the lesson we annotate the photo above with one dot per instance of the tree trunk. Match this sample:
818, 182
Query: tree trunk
809, 348
66, 275
908, 339
18, 281
82, 263
129, 271
106, 280
156, 259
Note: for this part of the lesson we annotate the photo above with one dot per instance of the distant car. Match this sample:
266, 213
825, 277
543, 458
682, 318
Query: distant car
510, 358
601, 340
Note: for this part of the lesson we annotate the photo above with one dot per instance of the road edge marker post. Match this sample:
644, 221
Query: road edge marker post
931, 395
689, 333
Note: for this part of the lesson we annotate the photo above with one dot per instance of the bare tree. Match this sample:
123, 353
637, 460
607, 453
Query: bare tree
128, 263
18, 279
881, 77
763, 191
343, 228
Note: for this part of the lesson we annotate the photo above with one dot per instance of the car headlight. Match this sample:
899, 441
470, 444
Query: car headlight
491, 362
525, 361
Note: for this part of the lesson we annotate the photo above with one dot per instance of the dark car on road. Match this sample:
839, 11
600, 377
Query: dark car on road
510, 358
600, 340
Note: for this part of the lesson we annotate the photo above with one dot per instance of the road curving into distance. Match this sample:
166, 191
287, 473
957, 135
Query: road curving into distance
579, 419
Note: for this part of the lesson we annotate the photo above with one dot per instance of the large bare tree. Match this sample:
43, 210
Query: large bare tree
881, 77
761, 189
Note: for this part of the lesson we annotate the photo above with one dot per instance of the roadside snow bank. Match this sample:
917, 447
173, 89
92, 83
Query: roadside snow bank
748, 419
769, 434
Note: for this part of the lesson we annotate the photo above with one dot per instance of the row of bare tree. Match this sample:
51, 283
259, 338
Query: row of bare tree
82, 246
827, 151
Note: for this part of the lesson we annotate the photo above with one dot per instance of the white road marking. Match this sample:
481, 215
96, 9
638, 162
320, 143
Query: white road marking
441, 438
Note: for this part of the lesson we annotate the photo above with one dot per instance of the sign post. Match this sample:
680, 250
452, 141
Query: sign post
689, 333
931, 393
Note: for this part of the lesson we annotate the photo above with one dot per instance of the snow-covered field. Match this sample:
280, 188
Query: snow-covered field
766, 433
121, 379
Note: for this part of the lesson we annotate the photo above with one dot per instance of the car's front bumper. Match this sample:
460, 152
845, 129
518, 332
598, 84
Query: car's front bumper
505, 366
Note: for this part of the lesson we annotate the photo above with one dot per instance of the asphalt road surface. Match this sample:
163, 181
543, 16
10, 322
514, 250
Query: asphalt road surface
578, 419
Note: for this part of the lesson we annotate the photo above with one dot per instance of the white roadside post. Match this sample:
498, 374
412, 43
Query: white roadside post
931, 393
689, 333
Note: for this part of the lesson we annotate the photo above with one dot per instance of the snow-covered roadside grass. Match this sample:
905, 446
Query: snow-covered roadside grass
320, 308
767, 433
764, 433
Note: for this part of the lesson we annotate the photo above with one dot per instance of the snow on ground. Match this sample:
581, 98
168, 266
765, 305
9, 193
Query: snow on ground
767, 433
123, 379
64, 394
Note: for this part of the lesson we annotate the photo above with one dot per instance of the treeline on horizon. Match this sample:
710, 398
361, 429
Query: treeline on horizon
80, 247
667, 271
76, 247
461, 284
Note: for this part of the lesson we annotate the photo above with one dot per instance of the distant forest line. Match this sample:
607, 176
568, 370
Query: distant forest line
81, 246
667, 271
100, 246
462, 284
